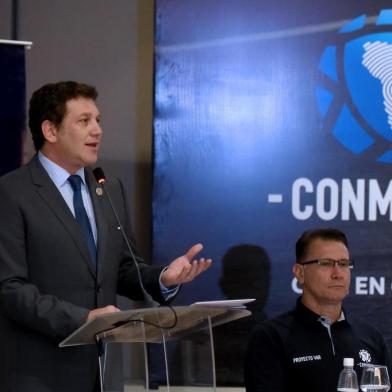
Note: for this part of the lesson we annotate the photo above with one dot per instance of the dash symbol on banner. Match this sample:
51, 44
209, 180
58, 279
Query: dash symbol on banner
275, 198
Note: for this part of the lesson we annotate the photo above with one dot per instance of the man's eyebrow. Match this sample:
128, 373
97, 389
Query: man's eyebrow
90, 114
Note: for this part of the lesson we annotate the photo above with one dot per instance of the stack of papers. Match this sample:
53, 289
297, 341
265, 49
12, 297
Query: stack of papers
231, 303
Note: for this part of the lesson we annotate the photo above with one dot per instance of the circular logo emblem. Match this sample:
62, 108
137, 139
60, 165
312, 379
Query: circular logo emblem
365, 356
354, 94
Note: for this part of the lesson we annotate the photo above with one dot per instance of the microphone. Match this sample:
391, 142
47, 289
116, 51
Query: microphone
101, 179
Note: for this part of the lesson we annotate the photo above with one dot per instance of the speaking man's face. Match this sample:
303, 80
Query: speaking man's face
75, 142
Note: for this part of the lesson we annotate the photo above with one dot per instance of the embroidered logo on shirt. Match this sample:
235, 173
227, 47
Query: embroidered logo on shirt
365, 356
308, 358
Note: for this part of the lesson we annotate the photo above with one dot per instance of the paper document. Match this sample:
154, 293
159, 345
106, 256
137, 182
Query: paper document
230, 303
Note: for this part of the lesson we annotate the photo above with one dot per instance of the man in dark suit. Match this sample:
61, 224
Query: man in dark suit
57, 272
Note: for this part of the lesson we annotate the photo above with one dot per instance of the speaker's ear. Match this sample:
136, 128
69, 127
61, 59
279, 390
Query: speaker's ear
49, 130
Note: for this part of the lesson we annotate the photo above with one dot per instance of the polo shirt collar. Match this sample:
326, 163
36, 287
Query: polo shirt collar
310, 316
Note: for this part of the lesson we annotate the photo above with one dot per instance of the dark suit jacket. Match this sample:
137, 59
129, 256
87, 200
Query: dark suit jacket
48, 283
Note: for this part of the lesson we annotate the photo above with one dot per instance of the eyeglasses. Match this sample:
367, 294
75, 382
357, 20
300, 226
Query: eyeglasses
330, 263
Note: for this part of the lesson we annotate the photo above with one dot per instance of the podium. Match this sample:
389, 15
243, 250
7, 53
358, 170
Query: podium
156, 325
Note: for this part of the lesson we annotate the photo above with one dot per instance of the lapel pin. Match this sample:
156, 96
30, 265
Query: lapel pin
99, 191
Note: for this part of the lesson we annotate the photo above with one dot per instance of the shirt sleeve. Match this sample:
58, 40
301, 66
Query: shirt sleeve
167, 293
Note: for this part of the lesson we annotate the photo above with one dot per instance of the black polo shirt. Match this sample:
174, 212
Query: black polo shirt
296, 352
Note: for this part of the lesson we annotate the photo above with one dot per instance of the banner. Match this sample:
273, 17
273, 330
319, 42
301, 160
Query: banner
272, 118
12, 105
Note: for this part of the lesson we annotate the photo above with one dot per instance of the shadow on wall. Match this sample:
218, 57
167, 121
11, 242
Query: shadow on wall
245, 274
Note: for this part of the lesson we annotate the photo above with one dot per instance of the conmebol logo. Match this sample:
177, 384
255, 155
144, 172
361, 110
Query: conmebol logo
378, 60
355, 91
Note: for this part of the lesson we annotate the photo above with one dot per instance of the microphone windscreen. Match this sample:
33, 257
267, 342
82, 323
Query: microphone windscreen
99, 175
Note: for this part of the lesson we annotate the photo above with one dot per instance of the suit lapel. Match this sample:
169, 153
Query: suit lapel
54, 200
98, 200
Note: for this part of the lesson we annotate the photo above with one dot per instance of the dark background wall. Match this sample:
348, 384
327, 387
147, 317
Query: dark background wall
108, 44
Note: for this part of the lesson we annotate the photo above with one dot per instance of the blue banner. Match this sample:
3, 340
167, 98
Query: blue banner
12, 105
272, 118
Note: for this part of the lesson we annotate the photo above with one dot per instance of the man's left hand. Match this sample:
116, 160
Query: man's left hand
184, 269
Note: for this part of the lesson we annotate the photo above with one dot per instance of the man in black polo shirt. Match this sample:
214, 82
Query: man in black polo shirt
303, 350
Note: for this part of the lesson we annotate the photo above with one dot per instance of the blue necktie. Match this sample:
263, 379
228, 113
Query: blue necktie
81, 215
